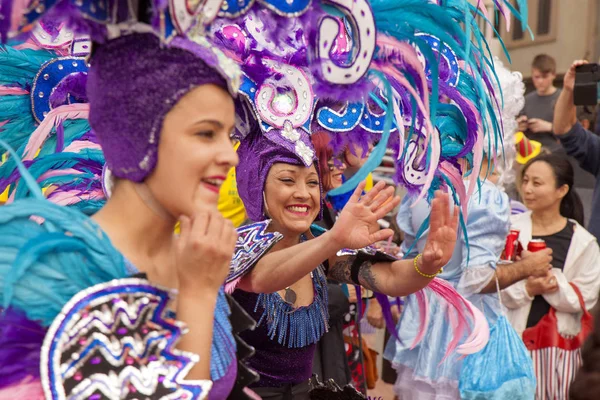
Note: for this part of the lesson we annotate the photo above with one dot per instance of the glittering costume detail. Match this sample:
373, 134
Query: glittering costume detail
70, 273
49, 80
253, 242
330, 390
296, 327
43, 117
113, 340
223, 345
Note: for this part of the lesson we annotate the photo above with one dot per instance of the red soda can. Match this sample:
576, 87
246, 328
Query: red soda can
512, 245
536, 245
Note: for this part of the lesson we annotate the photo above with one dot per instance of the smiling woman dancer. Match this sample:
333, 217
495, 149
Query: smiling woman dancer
300, 259
163, 116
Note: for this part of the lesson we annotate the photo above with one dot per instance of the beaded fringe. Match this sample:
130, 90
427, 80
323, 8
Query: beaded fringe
223, 350
296, 327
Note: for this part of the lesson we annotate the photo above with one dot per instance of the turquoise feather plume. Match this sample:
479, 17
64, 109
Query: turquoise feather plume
29, 253
18, 69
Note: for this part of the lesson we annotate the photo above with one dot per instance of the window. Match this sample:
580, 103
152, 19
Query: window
543, 22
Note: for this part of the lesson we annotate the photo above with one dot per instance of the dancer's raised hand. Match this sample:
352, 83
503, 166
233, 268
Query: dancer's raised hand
357, 226
443, 226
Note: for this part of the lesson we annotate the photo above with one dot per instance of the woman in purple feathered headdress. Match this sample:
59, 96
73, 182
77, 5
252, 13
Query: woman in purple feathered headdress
163, 115
282, 263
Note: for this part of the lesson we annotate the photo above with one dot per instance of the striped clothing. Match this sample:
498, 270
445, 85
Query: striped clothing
555, 369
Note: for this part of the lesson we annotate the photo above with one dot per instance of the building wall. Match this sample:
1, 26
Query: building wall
576, 38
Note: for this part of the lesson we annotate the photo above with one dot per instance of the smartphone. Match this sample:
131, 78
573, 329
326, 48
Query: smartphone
586, 91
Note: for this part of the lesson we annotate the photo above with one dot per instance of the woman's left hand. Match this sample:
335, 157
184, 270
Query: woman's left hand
356, 226
442, 234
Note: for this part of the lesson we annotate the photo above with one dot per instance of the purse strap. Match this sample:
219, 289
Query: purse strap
578, 293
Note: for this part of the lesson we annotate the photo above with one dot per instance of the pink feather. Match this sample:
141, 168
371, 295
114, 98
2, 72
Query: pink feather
392, 47
28, 45
79, 145
19, 8
63, 172
456, 179
75, 196
400, 124
12, 91
458, 331
480, 333
423, 316
481, 6
435, 147
29, 388
406, 54
251, 394
37, 138
231, 286
462, 314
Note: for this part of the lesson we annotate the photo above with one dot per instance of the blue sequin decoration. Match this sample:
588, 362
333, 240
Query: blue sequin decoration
343, 121
285, 8
296, 327
235, 8
350, 116
447, 53
223, 351
48, 78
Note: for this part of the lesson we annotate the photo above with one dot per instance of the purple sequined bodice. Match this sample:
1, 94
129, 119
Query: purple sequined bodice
276, 364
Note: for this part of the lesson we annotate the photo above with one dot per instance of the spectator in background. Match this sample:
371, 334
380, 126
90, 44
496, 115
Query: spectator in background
555, 217
579, 143
537, 115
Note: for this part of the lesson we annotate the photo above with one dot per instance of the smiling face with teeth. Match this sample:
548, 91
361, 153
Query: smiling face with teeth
292, 196
195, 152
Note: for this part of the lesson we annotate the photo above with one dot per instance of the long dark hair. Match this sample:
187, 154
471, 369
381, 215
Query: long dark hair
570, 206
320, 141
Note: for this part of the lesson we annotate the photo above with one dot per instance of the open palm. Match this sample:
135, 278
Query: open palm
442, 234
357, 225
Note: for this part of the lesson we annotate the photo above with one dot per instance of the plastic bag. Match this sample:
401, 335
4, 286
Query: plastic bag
502, 370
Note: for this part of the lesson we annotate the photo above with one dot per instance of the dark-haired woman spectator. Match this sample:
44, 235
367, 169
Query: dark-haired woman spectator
555, 216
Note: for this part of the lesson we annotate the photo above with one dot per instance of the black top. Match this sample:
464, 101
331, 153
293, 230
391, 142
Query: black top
559, 243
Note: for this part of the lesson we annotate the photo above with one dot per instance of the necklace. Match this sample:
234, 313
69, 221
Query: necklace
290, 296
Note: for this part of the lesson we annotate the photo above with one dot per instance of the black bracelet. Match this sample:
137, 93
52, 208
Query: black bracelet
355, 268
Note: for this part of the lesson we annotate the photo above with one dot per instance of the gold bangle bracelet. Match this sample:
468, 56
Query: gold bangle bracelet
415, 263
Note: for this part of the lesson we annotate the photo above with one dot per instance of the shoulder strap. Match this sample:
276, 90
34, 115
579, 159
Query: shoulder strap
578, 293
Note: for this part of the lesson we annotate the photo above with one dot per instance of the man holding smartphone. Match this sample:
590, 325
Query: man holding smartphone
537, 115
579, 143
